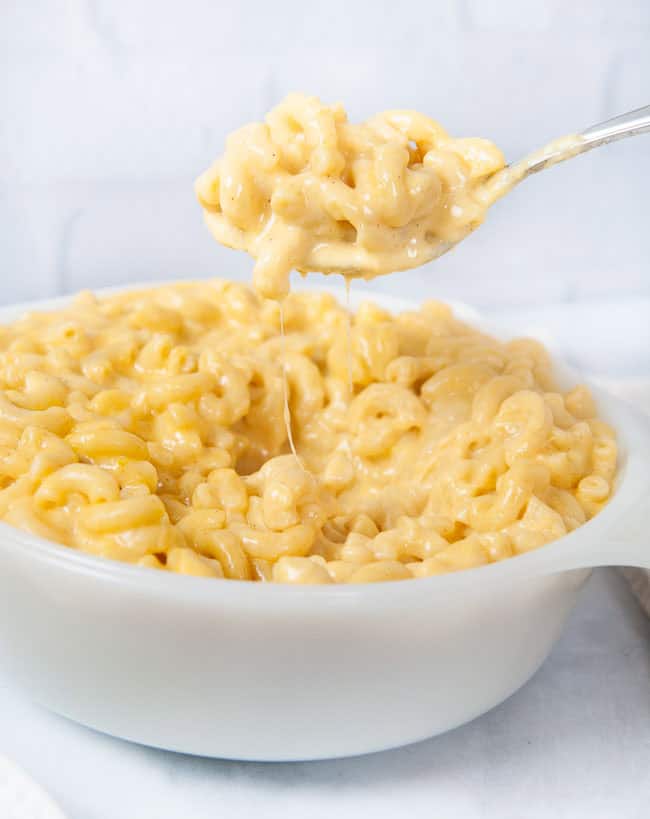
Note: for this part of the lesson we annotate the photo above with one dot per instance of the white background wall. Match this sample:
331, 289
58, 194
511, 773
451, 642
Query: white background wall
110, 108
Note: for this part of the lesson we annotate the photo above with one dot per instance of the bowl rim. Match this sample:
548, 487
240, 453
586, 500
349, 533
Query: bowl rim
633, 433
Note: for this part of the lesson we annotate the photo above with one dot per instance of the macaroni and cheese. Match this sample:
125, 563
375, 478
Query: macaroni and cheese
307, 190
149, 427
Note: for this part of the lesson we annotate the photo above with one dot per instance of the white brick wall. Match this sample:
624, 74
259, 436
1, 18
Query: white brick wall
109, 108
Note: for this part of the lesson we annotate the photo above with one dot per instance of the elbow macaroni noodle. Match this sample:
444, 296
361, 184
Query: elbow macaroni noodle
149, 427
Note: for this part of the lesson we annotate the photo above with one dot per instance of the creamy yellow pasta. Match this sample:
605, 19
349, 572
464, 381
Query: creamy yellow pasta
148, 427
307, 190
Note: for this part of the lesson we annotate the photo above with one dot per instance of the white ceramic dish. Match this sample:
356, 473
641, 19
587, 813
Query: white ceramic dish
272, 672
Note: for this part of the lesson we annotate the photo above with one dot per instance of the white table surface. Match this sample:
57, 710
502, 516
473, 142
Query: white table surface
573, 743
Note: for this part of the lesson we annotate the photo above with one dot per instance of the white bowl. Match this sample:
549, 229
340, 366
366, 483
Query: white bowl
274, 672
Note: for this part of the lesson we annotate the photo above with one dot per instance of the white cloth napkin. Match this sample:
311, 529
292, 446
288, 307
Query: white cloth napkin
21, 797
637, 392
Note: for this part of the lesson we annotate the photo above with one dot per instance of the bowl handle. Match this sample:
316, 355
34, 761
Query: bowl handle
619, 535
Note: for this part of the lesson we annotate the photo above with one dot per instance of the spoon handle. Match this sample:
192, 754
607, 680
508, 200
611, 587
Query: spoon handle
625, 125
630, 124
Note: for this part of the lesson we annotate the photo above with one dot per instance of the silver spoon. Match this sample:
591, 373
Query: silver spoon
353, 260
